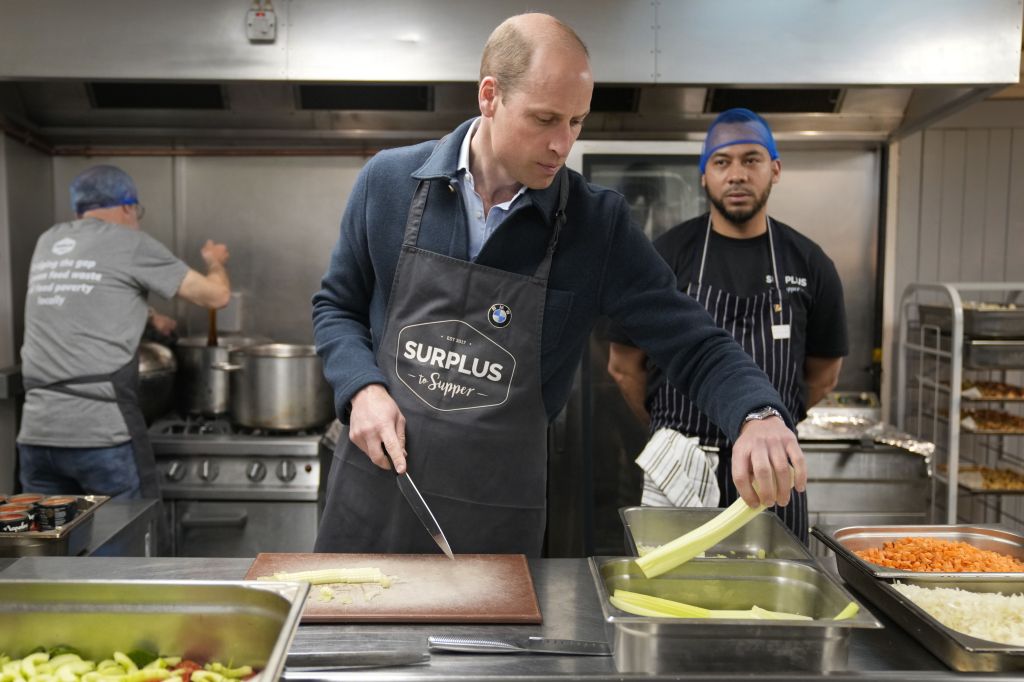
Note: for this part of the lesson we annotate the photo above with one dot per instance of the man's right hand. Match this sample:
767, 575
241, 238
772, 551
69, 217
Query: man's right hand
214, 253
376, 419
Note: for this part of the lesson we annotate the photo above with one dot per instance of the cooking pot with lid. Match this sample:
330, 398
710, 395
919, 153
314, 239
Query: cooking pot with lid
200, 388
278, 386
157, 368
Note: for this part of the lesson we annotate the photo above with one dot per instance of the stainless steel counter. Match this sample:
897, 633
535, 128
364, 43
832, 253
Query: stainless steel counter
569, 606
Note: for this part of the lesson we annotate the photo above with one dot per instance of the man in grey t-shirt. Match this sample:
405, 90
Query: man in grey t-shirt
82, 429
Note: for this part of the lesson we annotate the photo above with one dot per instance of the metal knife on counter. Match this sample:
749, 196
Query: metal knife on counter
518, 645
311, 666
419, 507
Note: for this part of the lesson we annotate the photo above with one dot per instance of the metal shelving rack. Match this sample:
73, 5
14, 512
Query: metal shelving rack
929, 400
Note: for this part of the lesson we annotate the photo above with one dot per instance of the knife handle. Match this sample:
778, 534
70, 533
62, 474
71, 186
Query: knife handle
472, 645
390, 461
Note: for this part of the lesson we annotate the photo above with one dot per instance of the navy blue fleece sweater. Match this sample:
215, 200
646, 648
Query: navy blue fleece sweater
602, 266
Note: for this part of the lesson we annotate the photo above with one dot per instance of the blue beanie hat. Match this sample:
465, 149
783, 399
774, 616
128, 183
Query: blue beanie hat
102, 187
737, 126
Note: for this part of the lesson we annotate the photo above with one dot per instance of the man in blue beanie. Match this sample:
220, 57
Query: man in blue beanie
775, 292
82, 430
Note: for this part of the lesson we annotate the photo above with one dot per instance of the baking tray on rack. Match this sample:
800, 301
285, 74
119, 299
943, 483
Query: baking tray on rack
957, 650
67, 540
1005, 323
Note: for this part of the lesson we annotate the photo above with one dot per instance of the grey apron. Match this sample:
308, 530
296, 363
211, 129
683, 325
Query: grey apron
461, 353
760, 324
125, 381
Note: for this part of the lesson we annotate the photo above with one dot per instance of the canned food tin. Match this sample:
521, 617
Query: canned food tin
29, 509
56, 511
25, 498
14, 522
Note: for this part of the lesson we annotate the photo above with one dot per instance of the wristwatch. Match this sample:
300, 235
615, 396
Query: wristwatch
763, 413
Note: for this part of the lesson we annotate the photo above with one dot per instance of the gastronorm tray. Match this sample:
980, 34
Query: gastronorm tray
955, 649
67, 540
989, 324
674, 645
845, 541
231, 622
766, 536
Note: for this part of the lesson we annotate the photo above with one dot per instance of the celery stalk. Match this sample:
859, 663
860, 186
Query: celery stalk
334, 575
698, 540
850, 611
646, 605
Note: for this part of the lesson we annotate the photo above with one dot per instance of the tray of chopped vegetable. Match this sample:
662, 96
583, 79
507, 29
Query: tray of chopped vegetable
142, 631
970, 621
967, 551
720, 614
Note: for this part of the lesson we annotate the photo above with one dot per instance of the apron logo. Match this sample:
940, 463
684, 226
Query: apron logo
499, 315
63, 246
450, 365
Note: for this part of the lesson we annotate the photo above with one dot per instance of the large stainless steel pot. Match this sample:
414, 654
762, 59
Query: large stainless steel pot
157, 368
278, 386
201, 389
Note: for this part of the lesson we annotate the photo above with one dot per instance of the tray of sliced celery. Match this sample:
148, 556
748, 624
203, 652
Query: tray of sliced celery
765, 536
812, 641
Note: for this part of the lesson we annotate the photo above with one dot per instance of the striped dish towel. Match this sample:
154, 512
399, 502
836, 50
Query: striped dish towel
677, 472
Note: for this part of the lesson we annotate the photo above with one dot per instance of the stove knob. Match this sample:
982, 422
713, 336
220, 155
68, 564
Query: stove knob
176, 472
256, 472
286, 470
208, 470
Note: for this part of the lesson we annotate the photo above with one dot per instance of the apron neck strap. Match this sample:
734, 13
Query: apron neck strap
771, 251
419, 202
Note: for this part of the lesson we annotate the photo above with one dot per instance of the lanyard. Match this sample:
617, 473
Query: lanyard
771, 251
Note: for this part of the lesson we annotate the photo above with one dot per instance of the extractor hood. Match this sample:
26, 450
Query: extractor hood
185, 76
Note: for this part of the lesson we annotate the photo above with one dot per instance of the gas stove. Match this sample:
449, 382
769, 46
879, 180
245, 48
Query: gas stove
236, 491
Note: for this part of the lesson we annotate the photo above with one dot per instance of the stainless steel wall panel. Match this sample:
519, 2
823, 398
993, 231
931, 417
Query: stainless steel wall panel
951, 204
972, 228
280, 219
831, 196
808, 42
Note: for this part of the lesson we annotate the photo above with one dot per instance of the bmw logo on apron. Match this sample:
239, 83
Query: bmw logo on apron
499, 315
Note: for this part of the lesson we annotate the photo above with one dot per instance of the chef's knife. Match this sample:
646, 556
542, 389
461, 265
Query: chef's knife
517, 645
419, 507
298, 665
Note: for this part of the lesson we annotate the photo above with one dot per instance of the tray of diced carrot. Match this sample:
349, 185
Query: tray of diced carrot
960, 550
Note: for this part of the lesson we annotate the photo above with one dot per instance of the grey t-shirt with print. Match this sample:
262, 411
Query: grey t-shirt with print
84, 315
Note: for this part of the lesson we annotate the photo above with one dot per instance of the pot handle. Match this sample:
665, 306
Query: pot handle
226, 367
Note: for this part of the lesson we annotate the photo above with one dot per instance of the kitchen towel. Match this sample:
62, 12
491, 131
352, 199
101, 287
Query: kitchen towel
677, 472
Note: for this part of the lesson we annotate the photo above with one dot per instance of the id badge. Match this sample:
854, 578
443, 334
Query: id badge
780, 332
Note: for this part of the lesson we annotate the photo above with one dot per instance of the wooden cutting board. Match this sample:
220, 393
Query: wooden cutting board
425, 588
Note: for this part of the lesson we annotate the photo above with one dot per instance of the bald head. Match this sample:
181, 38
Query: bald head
512, 46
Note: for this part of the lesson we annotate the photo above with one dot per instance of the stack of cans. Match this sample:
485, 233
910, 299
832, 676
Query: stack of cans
34, 512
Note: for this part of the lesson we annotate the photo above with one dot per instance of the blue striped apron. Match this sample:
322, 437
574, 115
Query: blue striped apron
760, 324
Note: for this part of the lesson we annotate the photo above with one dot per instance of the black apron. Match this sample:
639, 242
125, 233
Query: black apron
461, 353
126, 382
761, 325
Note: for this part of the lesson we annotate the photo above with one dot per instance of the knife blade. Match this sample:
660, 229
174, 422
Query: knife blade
518, 645
338, 660
419, 507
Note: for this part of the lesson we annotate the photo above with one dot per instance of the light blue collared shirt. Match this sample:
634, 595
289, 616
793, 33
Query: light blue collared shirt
481, 227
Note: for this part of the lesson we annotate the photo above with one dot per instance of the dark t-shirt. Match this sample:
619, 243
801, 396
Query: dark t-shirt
811, 285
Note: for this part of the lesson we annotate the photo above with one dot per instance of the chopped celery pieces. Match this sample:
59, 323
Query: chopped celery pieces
698, 540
